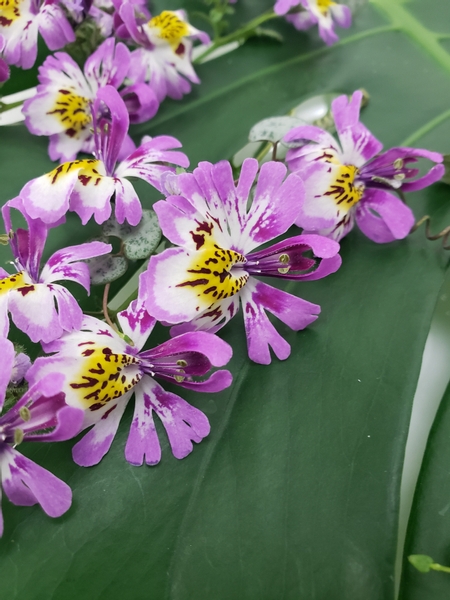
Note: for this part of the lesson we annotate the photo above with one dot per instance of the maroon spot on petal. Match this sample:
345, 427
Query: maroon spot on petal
26, 290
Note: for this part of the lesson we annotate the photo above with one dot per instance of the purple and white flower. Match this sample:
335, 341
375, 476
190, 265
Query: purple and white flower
31, 294
216, 264
4, 69
61, 108
41, 408
351, 181
20, 23
86, 186
104, 368
324, 13
163, 58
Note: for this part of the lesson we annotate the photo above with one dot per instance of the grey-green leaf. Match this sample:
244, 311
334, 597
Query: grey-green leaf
138, 241
105, 269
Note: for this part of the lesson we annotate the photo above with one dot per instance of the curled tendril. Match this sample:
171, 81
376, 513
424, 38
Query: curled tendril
444, 234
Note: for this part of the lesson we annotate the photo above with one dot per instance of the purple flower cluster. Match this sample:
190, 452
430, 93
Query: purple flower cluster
226, 235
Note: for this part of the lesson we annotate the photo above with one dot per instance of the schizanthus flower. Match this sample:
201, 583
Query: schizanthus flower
20, 22
31, 295
350, 182
86, 186
41, 408
324, 13
61, 108
201, 282
163, 58
103, 369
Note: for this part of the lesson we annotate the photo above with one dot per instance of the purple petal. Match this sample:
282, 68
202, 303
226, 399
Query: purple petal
64, 265
383, 217
143, 443
275, 206
311, 133
108, 65
95, 444
294, 312
183, 423
141, 102
18, 472
7, 351
216, 350
135, 321
358, 144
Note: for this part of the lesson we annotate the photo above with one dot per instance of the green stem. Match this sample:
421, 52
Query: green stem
403, 20
419, 133
4, 107
437, 567
240, 34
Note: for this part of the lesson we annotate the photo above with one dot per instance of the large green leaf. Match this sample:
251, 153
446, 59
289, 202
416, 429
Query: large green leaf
295, 493
429, 527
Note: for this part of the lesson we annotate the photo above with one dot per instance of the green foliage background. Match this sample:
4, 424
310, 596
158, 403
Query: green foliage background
295, 493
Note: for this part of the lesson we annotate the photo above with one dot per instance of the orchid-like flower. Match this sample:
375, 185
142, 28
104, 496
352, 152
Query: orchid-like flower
350, 182
41, 409
215, 265
31, 295
324, 13
62, 106
163, 58
86, 186
103, 369
22, 20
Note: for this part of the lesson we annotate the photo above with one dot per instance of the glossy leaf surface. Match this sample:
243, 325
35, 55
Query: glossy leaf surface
295, 493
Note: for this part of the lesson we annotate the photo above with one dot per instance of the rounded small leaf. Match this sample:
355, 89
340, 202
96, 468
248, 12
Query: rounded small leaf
273, 129
138, 241
421, 562
144, 238
104, 269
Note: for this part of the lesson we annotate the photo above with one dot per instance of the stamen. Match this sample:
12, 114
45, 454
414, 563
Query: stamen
398, 164
284, 259
181, 363
179, 378
399, 176
18, 436
25, 413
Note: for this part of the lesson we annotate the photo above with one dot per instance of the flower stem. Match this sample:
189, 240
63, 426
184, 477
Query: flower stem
419, 133
105, 306
241, 34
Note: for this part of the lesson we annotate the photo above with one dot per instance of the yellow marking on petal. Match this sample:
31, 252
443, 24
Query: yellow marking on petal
104, 376
72, 111
324, 5
16, 282
91, 171
9, 12
343, 189
210, 276
170, 28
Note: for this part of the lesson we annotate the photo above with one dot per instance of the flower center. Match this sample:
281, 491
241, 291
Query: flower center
170, 27
324, 5
72, 111
211, 276
343, 189
16, 282
104, 376
90, 171
9, 12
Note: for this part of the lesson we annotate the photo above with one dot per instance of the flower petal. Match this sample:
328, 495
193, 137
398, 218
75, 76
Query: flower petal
95, 444
384, 217
18, 472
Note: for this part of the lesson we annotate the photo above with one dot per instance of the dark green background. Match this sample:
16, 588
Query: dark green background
295, 493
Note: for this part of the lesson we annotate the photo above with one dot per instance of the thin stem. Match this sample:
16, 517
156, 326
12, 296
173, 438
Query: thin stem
437, 567
419, 133
4, 106
240, 34
105, 306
